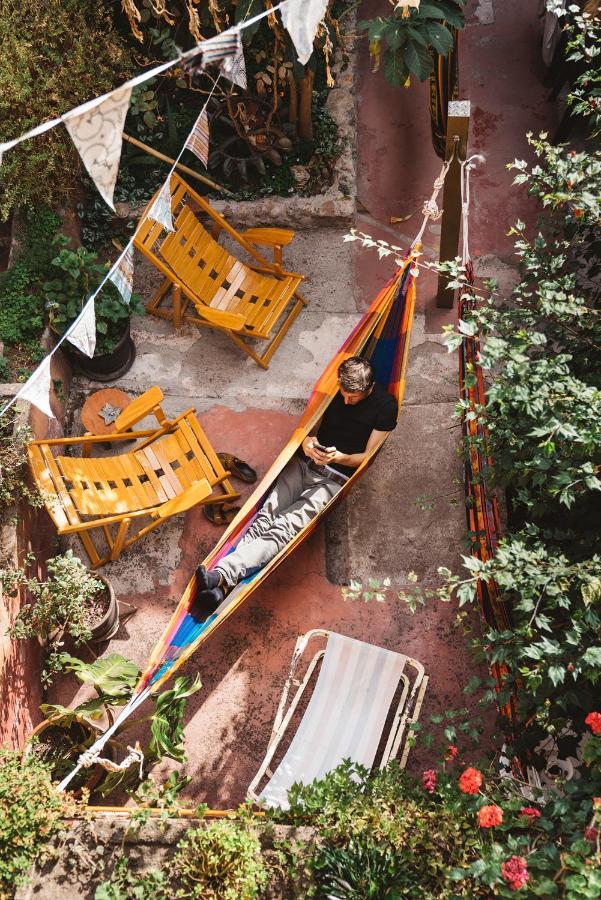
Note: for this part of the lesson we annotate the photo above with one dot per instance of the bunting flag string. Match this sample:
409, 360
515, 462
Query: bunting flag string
301, 19
82, 333
122, 273
37, 388
198, 142
97, 133
160, 210
86, 122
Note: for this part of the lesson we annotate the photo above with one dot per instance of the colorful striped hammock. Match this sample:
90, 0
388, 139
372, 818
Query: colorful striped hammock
382, 336
483, 520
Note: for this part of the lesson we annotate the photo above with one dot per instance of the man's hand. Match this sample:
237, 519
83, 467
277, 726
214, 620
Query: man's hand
311, 450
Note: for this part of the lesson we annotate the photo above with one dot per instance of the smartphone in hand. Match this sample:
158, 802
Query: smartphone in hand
323, 449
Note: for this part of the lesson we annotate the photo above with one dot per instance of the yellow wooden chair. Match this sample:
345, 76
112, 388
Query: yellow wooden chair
256, 301
172, 469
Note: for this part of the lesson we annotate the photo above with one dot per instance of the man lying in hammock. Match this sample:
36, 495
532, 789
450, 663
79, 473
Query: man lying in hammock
354, 425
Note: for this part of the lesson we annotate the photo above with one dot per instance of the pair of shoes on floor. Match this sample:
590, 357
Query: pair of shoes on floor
209, 593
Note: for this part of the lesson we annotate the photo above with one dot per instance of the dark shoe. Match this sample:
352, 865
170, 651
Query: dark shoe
209, 600
220, 514
238, 467
206, 579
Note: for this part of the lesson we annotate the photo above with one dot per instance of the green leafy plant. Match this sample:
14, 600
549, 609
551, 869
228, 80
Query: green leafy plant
219, 862
114, 678
31, 812
403, 41
67, 294
55, 55
58, 607
21, 299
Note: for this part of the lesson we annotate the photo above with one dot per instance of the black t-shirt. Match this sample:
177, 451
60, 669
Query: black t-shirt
348, 428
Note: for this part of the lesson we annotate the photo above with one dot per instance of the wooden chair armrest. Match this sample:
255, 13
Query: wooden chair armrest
219, 317
196, 493
268, 237
149, 402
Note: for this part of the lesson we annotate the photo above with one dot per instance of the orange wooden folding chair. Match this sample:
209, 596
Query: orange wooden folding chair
251, 302
173, 468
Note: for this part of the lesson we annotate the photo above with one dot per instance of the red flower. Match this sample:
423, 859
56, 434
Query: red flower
489, 816
578, 213
515, 872
531, 812
593, 720
451, 752
590, 834
429, 780
470, 781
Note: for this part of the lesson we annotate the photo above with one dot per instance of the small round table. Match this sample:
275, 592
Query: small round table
101, 409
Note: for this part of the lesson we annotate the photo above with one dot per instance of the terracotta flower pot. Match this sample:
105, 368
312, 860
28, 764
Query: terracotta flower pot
78, 732
109, 624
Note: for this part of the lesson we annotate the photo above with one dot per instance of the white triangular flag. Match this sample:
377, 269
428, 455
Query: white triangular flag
198, 141
160, 210
37, 388
122, 274
82, 334
97, 132
301, 18
234, 67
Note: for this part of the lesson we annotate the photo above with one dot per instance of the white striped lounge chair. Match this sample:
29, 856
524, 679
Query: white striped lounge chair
351, 705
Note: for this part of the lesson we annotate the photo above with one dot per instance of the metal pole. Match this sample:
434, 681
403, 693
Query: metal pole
456, 148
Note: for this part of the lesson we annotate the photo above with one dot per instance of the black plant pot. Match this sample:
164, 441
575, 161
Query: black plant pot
110, 366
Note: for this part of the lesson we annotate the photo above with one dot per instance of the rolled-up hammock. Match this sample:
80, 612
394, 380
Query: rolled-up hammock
382, 336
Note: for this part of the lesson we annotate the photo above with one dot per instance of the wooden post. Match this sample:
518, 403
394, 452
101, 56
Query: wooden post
457, 133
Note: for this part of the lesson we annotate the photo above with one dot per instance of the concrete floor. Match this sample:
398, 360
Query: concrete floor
406, 514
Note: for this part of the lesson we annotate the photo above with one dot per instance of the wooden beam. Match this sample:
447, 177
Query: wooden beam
152, 152
456, 148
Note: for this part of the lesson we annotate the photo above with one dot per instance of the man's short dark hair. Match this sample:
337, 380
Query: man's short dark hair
356, 375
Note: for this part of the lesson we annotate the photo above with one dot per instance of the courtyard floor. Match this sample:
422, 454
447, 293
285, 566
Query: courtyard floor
407, 513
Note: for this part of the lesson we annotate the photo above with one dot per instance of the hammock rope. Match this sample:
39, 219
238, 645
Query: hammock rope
92, 757
430, 210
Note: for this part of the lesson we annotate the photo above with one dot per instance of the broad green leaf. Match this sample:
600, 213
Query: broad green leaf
418, 60
112, 675
440, 38
395, 70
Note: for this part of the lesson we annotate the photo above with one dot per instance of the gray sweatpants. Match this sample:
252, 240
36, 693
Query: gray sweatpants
297, 496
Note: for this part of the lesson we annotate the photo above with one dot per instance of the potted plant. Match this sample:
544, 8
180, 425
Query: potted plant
114, 678
70, 603
78, 274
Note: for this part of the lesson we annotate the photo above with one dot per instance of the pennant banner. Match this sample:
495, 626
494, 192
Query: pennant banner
160, 210
301, 18
97, 131
198, 142
226, 49
82, 333
37, 389
122, 275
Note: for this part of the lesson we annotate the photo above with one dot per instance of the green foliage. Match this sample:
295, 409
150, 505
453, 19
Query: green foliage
583, 49
31, 811
390, 835
67, 294
219, 862
114, 679
404, 43
14, 486
21, 301
59, 606
55, 55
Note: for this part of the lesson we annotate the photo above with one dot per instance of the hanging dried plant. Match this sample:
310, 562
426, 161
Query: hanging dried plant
194, 20
133, 16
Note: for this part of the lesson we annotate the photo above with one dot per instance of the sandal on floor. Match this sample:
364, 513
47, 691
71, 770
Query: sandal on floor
219, 514
238, 467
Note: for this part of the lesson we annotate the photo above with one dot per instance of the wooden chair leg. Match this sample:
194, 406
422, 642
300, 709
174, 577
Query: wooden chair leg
177, 306
155, 300
90, 549
117, 547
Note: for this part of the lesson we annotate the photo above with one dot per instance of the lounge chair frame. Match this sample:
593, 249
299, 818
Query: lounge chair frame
175, 491
177, 255
406, 713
